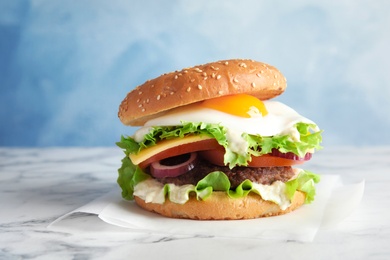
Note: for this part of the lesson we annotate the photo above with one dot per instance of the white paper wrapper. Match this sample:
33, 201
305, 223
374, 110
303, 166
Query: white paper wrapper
334, 202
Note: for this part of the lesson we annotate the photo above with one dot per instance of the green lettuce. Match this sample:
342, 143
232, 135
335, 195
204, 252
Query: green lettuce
129, 176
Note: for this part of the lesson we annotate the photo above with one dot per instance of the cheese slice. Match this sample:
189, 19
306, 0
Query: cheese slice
165, 145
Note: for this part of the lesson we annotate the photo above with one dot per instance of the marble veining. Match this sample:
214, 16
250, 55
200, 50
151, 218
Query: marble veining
38, 185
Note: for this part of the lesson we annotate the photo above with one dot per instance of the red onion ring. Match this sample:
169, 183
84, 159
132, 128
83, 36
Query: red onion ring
290, 155
159, 170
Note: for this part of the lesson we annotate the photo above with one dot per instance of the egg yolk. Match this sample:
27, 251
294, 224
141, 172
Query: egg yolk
242, 105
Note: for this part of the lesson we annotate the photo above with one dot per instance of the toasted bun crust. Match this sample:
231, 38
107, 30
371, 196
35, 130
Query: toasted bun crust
191, 85
220, 207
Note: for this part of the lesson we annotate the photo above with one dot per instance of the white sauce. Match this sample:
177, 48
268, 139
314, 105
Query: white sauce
236, 143
179, 194
274, 192
152, 191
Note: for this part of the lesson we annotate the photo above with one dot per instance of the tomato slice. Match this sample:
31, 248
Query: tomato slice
216, 157
182, 149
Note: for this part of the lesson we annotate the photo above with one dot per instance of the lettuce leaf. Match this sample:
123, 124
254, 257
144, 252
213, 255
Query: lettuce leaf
218, 181
305, 183
129, 176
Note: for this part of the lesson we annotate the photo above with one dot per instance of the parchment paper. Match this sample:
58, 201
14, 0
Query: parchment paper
334, 202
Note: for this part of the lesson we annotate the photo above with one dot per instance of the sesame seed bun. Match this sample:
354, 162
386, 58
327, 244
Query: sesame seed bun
220, 207
198, 83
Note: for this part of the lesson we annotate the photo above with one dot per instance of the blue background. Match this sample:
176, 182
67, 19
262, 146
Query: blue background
66, 65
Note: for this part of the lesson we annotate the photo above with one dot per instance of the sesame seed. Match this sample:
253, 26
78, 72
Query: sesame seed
143, 110
140, 105
258, 74
204, 74
138, 100
275, 76
192, 80
253, 84
213, 75
158, 97
185, 71
261, 71
188, 89
274, 83
147, 100
176, 77
219, 76
204, 78
242, 64
171, 93
140, 93
200, 87
220, 92
235, 80
214, 68
226, 63
152, 86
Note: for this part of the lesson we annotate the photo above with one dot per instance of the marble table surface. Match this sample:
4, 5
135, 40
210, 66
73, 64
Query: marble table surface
37, 185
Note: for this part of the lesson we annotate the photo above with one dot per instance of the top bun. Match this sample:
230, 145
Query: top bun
198, 83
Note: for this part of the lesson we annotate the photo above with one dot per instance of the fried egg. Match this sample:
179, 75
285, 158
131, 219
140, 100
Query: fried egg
238, 113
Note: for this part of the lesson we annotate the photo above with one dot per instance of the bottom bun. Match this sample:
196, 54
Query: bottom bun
221, 207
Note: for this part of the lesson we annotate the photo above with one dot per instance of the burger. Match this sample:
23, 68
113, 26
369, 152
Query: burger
212, 145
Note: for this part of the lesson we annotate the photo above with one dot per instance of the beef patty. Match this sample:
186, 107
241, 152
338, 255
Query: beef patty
263, 175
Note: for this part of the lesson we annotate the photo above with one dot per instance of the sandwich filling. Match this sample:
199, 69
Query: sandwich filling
265, 130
